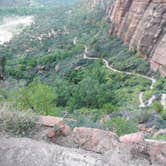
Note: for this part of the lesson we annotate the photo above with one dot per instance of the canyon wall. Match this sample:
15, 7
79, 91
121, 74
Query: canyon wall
142, 25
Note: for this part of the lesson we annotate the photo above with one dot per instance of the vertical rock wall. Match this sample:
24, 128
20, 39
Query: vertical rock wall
142, 25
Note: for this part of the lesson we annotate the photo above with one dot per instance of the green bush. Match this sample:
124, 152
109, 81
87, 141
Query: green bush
143, 116
17, 73
86, 117
163, 114
161, 138
38, 97
91, 94
17, 123
109, 108
121, 126
158, 107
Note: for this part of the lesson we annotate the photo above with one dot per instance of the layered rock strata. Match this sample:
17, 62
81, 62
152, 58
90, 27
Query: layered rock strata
142, 25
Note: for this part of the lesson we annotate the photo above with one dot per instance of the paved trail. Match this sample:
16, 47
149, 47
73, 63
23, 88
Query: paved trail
142, 104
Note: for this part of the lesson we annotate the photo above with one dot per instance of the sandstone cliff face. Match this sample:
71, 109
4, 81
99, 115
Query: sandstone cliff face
142, 25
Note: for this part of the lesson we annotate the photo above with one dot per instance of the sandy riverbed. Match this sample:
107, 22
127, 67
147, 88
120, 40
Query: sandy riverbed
13, 26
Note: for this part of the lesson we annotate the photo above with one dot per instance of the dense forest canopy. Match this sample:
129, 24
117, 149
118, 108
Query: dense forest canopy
45, 69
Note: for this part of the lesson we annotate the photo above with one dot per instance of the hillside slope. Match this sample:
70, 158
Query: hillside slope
142, 25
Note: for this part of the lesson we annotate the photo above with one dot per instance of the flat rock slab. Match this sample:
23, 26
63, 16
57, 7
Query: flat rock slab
27, 152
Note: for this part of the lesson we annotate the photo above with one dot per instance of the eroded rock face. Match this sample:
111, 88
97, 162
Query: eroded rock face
95, 140
156, 151
142, 25
146, 153
91, 139
56, 126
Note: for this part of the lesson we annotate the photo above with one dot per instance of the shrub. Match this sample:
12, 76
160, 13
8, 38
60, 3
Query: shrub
158, 107
86, 117
38, 97
109, 108
17, 73
161, 137
163, 114
17, 123
83, 121
90, 93
143, 116
93, 114
121, 126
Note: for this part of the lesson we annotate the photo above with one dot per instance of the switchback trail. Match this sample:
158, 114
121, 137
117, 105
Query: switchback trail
142, 104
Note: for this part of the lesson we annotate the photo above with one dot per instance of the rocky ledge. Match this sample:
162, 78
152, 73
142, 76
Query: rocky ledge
56, 144
28, 152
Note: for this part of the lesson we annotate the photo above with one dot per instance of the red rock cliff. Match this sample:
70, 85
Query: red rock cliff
142, 25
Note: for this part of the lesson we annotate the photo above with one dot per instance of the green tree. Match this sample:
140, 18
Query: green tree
158, 107
91, 94
121, 126
39, 97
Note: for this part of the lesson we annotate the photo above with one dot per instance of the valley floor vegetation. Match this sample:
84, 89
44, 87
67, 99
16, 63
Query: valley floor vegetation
47, 74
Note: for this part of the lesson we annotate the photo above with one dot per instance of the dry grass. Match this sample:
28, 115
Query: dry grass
17, 123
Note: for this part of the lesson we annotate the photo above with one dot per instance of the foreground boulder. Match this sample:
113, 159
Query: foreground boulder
127, 155
26, 152
145, 153
57, 126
